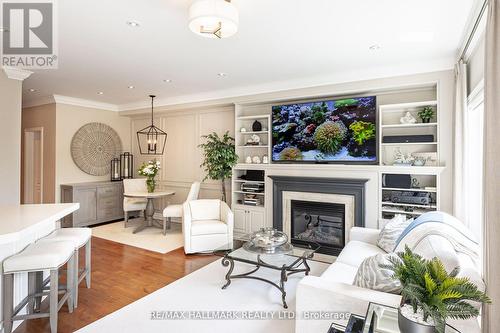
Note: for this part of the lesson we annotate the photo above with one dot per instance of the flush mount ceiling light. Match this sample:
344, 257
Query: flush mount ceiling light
213, 18
131, 87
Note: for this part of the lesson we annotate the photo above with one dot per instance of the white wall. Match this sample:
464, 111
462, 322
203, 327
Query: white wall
69, 119
10, 139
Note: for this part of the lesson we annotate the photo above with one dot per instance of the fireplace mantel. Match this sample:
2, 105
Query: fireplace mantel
344, 186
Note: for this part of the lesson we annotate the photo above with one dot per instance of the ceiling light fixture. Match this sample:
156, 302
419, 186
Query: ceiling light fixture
222, 74
213, 18
133, 24
374, 47
151, 139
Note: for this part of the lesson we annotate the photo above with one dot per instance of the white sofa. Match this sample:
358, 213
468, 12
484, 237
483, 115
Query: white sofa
334, 291
207, 224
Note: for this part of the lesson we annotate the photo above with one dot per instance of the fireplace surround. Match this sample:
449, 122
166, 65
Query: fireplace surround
324, 209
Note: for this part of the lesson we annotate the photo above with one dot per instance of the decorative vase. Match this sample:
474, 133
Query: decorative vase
409, 326
151, 184
256, 126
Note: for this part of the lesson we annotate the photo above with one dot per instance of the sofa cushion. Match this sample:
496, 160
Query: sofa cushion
355, 252
339, 272
372, 276
208, 227
391, 232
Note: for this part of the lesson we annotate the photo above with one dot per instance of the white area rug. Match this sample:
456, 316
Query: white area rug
201, 291
151, 239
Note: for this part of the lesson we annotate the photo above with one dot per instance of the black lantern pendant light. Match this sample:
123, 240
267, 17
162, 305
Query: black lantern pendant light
151, 140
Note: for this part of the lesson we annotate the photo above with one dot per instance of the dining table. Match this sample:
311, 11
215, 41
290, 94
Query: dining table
149, 221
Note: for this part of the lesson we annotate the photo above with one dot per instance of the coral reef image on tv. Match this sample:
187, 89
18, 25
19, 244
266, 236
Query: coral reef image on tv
341, 130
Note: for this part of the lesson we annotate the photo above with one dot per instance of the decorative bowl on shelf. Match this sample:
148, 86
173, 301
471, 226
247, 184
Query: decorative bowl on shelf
268, 238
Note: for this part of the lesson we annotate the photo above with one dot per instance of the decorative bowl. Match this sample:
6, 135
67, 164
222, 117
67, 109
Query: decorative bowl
268, 238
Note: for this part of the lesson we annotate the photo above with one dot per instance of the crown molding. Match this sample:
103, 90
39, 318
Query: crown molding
15, 73
60, 99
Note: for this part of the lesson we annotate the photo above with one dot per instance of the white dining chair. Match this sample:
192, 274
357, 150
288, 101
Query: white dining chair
133, 204
176, 210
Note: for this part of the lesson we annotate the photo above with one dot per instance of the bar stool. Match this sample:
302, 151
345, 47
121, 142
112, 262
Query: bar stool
79, 237
35, 259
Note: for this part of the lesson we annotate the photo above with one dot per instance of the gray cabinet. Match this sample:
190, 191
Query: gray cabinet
99, 202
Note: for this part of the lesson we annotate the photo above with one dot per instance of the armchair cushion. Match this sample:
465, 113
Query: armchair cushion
208, 227
355, 252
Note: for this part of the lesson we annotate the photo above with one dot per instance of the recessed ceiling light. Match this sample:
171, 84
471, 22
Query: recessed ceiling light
167, 81
133, 24
374, 47
100, 93
31, 90
222, 74
131, 87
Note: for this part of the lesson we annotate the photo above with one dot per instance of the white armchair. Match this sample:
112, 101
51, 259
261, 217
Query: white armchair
207, 225
133, 204
176, 210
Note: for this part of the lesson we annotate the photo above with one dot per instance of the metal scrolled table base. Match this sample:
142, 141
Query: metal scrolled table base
285, 272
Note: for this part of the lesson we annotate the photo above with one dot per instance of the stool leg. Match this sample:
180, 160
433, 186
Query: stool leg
8, 302
54, 299
87, 262
76, 278
32, 289
70, 282
39, 289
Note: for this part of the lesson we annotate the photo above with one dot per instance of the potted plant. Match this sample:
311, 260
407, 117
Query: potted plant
426, 114
430, 294
150, 170
219, 158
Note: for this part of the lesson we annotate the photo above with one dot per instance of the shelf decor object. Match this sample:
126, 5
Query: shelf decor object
127, 165
151, 140
93, 146
115, 169
213, 18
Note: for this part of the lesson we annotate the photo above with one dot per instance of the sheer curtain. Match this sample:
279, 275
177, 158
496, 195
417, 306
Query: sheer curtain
491, 234
459, 133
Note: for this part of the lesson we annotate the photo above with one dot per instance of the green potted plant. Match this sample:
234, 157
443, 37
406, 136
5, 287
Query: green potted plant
426, 114
149, 170
430, 294
219, 158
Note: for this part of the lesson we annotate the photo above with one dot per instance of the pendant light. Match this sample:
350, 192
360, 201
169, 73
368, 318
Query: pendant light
213, 18
151, 139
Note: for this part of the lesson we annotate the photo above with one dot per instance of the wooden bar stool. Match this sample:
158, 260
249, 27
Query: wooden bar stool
79, 237
35, 259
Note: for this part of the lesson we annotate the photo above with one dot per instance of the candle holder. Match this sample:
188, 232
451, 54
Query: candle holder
127, 165
116, 169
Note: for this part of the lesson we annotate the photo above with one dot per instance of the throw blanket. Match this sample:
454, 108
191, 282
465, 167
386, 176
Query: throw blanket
440, 224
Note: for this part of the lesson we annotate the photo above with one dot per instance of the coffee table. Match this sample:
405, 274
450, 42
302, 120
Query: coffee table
286, 264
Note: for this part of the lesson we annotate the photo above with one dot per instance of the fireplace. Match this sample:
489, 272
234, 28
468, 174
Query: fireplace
318, 210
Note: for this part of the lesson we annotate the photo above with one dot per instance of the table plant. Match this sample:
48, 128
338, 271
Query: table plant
219, 158
426, 114
430, 294
150, 170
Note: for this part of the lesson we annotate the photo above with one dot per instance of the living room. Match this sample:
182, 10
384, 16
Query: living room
328, 169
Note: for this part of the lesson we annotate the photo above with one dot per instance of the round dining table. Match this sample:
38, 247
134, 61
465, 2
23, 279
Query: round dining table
149, 212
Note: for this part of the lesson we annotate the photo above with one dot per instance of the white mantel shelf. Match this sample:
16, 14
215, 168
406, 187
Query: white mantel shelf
423, 170
18, 219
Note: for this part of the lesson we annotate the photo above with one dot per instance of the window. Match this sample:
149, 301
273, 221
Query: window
473, 158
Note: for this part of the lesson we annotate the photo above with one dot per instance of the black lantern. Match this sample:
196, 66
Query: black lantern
151, 139
127, 164
115, 169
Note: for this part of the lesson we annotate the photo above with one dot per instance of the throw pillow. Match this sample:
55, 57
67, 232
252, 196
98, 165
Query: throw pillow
371, 276
391, 232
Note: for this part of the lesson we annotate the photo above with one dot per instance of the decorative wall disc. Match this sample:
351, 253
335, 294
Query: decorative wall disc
93, 146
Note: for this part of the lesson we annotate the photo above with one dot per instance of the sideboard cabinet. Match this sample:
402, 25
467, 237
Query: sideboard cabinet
99, 202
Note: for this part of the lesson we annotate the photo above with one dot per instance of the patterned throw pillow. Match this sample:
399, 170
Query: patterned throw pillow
371, 276
391, 232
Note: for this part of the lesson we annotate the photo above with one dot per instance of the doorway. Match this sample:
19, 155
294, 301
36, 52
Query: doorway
33, 165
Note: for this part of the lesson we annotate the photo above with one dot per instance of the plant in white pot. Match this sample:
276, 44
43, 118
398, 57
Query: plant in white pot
430, 294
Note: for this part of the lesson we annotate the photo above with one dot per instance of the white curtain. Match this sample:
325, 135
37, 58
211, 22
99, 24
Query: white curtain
459, 202
491, 235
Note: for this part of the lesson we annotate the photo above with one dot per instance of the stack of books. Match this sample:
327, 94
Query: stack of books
251, 200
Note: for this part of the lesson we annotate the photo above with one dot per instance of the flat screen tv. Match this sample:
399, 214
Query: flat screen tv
331, 131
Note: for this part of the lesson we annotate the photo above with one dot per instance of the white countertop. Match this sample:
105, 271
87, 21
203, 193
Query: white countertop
16, 218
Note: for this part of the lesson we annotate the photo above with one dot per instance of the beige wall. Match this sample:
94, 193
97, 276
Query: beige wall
43, 116
182, 158
69, 119
10, 139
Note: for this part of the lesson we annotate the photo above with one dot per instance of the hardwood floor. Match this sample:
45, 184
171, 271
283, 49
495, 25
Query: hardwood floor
121, 274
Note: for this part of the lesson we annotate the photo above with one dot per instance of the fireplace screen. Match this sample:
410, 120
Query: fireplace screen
320, 222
